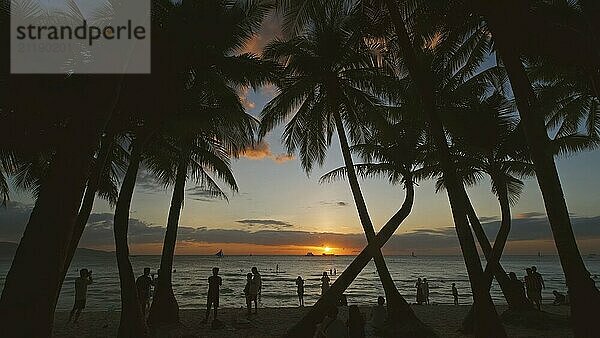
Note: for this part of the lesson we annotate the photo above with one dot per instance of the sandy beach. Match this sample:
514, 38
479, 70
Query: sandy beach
273, 322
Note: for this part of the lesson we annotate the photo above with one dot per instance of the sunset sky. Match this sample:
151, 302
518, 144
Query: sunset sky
281, 210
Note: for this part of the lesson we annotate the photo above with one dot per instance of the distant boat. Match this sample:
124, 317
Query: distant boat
328, 254
309, 254
219, 254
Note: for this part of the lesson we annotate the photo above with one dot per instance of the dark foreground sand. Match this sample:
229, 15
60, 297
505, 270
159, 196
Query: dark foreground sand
273, 322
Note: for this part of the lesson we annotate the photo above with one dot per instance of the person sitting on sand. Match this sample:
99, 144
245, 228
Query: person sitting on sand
212, 299
300, 286
331, 326
143, 284
559, 298
81, 285
324, 283
534, 288
247, 292
455, 293
256, 288
379, 315
355, 323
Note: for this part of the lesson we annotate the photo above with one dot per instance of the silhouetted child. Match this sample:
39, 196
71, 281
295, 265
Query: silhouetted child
300, 290
559, 298
455, 293
356, 322
247, 292
143, 284
81, 284
214, 283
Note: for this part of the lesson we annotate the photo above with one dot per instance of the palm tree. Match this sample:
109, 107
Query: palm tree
394, 151
585, 297
200, 64
329, 77
198, 145
487, 322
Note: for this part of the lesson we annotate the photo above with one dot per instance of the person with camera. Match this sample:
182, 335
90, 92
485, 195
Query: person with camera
81, 285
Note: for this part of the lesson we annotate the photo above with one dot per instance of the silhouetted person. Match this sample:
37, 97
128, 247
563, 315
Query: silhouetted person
324, 283
330, 272
355, 323
214, 283
247, 292
534, 288
559, 298
143, 284
538, 277
331, 326
256, 288
425, 290
455, 293
300, 290
81, 284
517, 287
334, 272
379, 315
419, 286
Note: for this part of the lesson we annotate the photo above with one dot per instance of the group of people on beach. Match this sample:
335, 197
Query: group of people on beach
422, 286
356, 326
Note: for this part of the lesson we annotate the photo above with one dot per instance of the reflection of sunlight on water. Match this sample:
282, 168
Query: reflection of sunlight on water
279, 289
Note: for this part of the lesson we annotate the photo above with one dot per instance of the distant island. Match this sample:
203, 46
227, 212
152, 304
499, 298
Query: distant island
8, 249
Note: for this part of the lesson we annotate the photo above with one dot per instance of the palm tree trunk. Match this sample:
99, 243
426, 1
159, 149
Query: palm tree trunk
131, 324
492, 255
27, 302
585, 298
498, 271
487, 322
164, 309
412, 326
397, 305
86, 205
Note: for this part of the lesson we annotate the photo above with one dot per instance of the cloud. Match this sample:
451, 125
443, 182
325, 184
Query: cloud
197, 193
333, 203
270, 29
263, 151
532, 214
246, 102
265, 223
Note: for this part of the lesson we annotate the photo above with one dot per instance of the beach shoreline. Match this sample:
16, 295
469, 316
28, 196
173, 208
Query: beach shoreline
274, 322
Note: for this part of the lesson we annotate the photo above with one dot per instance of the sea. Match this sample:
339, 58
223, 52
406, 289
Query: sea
280, 272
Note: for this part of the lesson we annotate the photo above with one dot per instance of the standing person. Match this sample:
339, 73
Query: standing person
247, 293
419, 286
533, 288
355, 323
324, 283
143, 284
455, 293
256, 288
81, 284
212, 299
425, 291
538, 277
300, 286
518, 288
330, 272
334, 272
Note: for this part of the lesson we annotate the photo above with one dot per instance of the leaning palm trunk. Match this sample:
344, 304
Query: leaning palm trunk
411, 326
493, 267
131, 324
397, 305
164, 309
27, 303
487, 322
584, 296
86, 206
